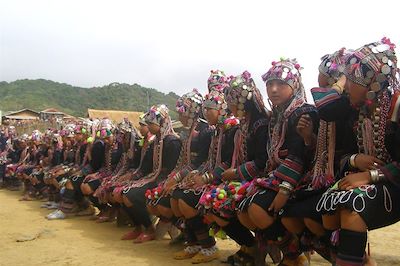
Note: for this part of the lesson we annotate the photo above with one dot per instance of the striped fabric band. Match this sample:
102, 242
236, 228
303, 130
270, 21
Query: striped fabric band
248, 171
324, 96
290, 170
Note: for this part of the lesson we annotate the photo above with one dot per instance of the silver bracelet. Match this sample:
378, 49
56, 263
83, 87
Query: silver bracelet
352, 160
205, 178
177, 177
376, 175
286, 186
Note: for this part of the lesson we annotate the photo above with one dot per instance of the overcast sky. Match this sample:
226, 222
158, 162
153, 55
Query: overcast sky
172, 45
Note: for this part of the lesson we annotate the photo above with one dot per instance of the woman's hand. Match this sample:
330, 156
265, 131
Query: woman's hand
278, 203
352, 181
305, 128
198, 180
367, 162
169, 186
229, 174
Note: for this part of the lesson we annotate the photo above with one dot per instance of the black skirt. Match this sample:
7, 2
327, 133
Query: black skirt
378, 204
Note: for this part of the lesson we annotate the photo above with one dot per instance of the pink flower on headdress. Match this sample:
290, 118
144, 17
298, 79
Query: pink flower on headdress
334, 66
273, 63
297, 66
246, 75
388, 42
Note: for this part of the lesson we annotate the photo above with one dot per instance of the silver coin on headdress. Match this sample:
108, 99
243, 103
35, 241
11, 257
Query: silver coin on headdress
375, 87
380, 78
370, 74
382, 47
385, 69
371, 95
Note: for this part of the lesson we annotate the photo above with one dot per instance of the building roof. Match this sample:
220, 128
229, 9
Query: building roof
20, 111
21, 117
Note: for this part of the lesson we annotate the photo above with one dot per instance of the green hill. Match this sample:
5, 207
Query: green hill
41, 94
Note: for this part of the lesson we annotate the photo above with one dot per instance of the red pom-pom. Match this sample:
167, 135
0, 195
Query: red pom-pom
297, 66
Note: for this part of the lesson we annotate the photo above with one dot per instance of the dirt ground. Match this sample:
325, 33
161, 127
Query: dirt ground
79, 241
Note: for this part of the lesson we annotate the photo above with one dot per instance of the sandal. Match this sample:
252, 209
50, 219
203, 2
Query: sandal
26, 198
104, 219
131, 235
188, 253
240, 258
57, 215
144, 237
206, 255
86, 212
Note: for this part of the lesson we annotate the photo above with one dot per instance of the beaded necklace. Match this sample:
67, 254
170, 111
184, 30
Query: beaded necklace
371, 132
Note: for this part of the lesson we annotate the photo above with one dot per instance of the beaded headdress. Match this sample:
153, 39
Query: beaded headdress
105, 128
156, 114
286, 70
36, 135
216, 100
374, 66
190, 104
217, 80
241, 90
333, 65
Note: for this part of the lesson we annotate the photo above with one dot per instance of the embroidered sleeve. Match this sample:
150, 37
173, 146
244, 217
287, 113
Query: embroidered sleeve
203, 145
324, 96
254, 168
171, 153
392, 173
290, 170
248, 171
217, 173
330, 104
299, 156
